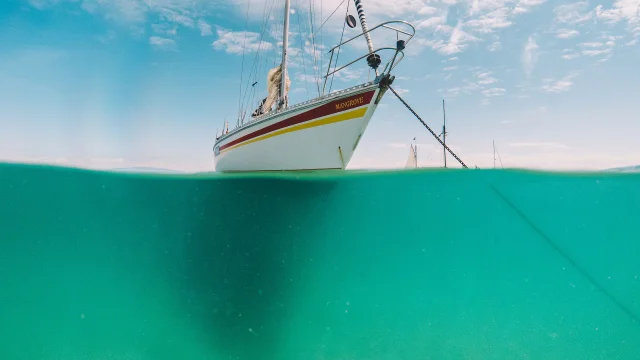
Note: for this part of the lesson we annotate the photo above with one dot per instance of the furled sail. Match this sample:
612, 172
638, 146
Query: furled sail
412, 161
274, 79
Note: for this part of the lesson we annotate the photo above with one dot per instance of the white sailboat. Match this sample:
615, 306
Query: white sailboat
412, 161
321, 133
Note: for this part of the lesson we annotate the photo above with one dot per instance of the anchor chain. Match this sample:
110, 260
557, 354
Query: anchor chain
428, 128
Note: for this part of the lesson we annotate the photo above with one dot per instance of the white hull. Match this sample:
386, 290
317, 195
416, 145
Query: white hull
321, 134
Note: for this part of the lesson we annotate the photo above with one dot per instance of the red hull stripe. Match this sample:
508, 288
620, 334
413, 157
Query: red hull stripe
333, 107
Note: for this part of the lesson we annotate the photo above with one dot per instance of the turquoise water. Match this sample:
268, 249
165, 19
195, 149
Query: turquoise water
428, 264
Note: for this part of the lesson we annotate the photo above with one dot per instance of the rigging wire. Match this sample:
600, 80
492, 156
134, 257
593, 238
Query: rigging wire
344, 23
301, 49
334, 11
255, 65
321, 53
313, 46
257, 55
244, 43
313, 34
566, 256
499, 158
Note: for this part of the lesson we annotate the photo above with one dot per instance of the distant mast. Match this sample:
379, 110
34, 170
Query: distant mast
415, 150
412, 161
494, 154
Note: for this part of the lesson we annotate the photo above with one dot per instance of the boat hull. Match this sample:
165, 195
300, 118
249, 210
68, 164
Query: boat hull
322, 135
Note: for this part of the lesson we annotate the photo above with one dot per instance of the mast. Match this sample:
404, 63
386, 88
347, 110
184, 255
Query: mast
285, 43
444, 134
494, 154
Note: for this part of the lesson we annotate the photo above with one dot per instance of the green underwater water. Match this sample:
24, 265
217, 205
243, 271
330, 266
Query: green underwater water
425, 264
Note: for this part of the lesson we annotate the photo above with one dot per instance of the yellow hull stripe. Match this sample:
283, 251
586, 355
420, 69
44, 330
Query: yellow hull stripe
349, 115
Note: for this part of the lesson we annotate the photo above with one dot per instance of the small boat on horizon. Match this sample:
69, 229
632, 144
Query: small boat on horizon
412, 160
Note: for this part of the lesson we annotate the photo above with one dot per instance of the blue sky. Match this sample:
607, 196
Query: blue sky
128, 83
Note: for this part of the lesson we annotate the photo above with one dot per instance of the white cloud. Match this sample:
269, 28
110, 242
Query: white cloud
598, 48
162, 43
235, 42
525, 6
574, 13
205, 29
485, 78
530, 55
570, 56
171, 12
481, 17
436, 23
597, 52
374, 8
488, 23
491, 92
473, 24
622, 10
458, 41
165, 29
348, 74
567, 33
178, 15
578, 13
591, 44
481, 83
494, 46
561, 85
427, 10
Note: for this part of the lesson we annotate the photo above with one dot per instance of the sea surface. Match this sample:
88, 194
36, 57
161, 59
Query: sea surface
422, 264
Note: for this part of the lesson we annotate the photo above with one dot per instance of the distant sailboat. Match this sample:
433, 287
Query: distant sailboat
412, 161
